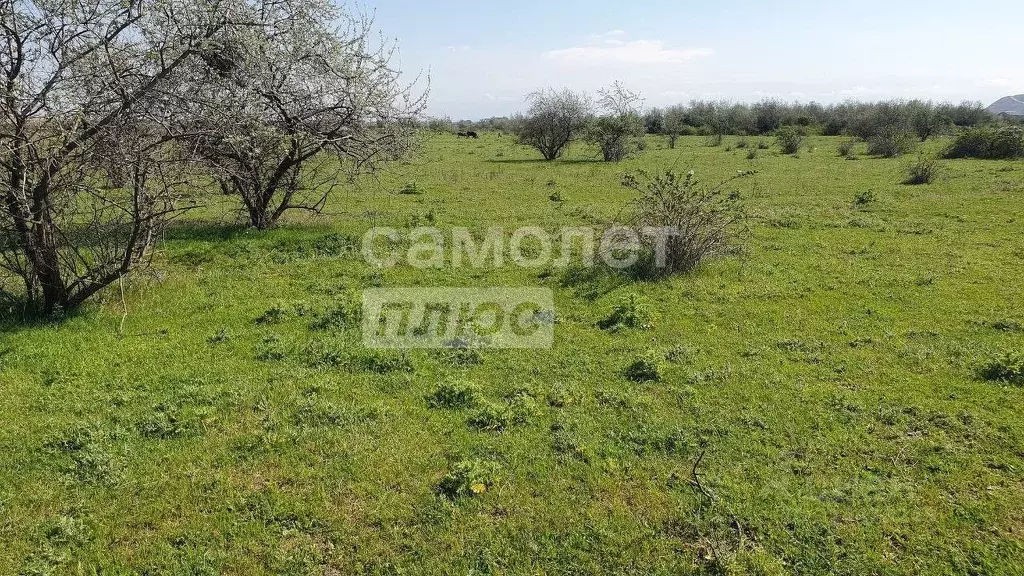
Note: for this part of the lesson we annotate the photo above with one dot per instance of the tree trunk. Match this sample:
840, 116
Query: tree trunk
259, 216
47, 271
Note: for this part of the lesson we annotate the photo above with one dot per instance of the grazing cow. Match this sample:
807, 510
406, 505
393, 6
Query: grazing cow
463, 135
472, 135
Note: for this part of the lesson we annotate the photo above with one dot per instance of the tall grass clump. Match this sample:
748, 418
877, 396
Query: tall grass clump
923, 171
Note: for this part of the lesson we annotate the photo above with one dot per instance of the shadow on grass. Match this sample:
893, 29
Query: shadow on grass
205, 232
17, 316
518, 161
593, 282
543, 161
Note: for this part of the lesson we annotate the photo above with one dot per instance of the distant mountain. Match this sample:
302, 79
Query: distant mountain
1011, 105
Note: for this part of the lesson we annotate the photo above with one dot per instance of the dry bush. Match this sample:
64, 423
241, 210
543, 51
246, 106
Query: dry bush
698, 221
923, 171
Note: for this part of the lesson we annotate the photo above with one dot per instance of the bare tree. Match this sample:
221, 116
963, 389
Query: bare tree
618, 131
289, 104
554, 120
85, 159
675, 123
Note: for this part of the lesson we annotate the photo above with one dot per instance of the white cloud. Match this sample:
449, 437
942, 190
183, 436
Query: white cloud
612, 48
997, 82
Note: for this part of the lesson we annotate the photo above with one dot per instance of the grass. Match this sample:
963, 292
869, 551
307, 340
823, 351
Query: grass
820, 409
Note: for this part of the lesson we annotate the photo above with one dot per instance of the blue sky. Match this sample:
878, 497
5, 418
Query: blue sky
484, 57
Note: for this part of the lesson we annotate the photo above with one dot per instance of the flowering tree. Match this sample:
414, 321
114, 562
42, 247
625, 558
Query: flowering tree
291, 103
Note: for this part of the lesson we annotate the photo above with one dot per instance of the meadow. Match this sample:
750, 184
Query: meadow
820, 407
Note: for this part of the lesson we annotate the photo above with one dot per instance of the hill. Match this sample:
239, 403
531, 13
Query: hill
1012, 105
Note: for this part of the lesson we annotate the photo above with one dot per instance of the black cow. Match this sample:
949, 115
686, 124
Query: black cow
463, 135
472, 135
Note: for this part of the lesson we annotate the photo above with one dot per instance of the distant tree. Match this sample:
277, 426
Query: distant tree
711, 117
554, 120
926, 119
769, 116
739, 119
675, 123
966, 114
617, 131
439, 125
654, 121
295, 100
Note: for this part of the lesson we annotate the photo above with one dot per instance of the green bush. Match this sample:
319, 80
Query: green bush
705, 221
790, 139
989, 143
891, 142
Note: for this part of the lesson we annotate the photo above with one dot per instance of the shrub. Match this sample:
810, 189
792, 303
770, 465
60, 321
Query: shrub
743, 143
923, 171
790, 139
699, 221
1007, 368
469, 478
763, 144
992, 143
649, 367
631, 311
455, 395
891, 142
752, 154
846, 149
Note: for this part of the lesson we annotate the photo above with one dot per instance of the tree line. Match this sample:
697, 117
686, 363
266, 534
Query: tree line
622, 118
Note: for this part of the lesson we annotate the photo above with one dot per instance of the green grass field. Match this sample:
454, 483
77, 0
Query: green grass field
823, 389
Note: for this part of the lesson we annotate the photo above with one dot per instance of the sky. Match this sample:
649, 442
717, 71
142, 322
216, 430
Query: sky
483, 57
